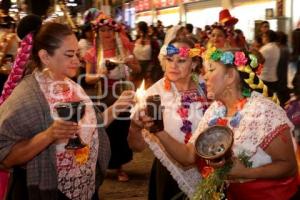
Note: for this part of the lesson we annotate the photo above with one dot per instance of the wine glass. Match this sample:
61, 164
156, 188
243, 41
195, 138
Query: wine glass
72, 111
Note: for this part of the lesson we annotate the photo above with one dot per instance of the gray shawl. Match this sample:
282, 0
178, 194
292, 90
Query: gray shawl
26, 113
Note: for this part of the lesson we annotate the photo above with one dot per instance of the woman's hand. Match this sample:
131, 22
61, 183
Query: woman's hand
216, 163
237, 170
62, 130
141, 120
124, 101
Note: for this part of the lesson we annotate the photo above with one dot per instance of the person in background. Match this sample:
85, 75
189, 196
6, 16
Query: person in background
143, 51
240, 39
112, 66
282, 68
228, 22
33, 137
183, 95
257, 43
218, 37
161, 30
295, 58
264, 27
271, 53
189, 32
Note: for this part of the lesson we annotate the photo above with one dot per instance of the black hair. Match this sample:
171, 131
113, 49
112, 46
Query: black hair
29, 23
282, 38
189, 28
272, 36
143, 27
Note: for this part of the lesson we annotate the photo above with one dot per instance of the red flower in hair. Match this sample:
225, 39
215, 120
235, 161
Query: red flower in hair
240, 58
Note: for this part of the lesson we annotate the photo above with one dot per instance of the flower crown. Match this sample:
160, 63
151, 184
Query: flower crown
243, 62
185, 51
104, 20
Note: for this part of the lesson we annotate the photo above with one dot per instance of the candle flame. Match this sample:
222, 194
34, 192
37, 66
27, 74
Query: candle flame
141, 95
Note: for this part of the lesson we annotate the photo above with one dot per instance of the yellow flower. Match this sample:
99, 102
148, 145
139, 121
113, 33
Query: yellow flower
209, 52
82, 155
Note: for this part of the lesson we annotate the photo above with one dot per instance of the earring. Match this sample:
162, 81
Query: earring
194, 76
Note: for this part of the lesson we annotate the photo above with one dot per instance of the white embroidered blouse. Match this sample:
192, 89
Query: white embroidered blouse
75, 180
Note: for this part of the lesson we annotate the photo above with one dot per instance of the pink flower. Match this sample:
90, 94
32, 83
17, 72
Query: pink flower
184, 51
240, 58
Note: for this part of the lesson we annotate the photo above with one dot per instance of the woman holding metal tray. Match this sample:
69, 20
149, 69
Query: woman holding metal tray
181, 95
262, 164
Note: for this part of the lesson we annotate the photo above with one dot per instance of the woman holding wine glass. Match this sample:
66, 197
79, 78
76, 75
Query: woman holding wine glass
32, 140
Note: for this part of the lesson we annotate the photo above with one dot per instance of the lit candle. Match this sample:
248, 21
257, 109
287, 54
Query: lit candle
140, 98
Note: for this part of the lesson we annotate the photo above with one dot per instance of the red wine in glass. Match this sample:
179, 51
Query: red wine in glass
72, 111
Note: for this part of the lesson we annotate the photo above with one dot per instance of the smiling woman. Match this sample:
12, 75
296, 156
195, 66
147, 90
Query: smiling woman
32, 137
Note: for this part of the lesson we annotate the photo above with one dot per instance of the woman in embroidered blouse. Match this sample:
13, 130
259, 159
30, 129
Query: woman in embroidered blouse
184, 100
261, 129
32, 139
114, 47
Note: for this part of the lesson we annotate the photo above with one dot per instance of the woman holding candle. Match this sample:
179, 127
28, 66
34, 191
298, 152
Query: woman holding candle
260, 129
32, 140
183, 96
111, 65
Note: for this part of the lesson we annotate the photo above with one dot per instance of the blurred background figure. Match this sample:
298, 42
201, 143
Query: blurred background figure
282, 68
271, 53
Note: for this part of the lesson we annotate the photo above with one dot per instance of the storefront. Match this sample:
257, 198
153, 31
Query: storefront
250, 13
169, 16
129, 14
143, 11
202, 13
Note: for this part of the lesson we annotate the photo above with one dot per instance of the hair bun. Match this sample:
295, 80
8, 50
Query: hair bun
29, 23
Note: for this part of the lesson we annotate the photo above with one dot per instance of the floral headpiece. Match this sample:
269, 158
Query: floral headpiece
185, 51
244, 62
104, 20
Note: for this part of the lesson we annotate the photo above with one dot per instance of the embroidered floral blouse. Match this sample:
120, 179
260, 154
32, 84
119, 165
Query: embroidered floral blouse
182, 113
75, 180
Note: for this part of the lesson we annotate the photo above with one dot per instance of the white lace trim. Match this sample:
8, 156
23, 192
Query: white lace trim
187, 179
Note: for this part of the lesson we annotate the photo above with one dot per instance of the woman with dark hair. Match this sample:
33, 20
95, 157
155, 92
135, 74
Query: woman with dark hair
110, 65
146, 51
183, 96
259, 126
218, 37
271, 53
32, 136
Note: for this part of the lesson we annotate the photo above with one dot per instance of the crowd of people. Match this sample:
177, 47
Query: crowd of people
211, 78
